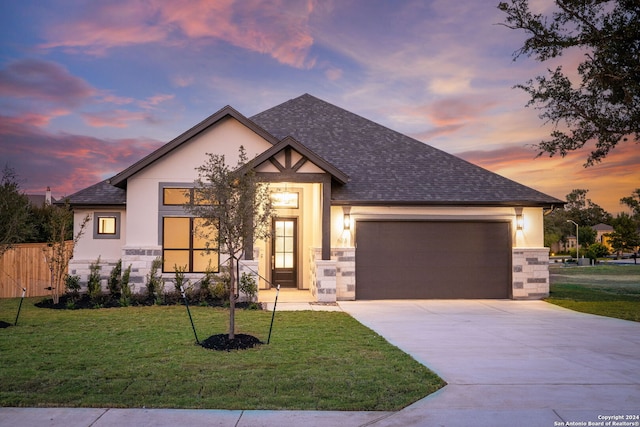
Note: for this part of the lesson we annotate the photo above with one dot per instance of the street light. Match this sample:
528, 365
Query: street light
577, 241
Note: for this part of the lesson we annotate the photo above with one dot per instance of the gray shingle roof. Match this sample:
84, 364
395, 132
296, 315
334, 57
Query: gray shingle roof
382, 165
99, 194
385, 166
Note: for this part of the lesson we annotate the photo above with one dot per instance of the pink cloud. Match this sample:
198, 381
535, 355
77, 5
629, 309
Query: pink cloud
114, 118
43, 81
279, 28
65, 162
616, 177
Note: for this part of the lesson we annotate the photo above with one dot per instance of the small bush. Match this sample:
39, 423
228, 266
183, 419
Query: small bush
125, 290
94, 288
115, 280
155, 284
72, 284
221, 284
248, 286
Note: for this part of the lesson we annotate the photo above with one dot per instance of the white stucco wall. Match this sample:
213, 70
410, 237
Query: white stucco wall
179, 166
89, 248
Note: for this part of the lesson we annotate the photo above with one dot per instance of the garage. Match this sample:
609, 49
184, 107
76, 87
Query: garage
433, 259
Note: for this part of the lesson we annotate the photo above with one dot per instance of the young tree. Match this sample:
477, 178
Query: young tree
237, 206
15, 224
59, 250
605, 105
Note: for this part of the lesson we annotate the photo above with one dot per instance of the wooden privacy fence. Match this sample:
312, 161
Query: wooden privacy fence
24, 266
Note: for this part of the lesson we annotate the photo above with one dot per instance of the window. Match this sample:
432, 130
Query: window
106, 225
177, 196
185, 241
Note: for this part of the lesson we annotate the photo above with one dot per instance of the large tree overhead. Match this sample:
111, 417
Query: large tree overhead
604, 106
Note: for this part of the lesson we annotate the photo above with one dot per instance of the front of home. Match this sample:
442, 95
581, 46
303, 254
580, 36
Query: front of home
362, 212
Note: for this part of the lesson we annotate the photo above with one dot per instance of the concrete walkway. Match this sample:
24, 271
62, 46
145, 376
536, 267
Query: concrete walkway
507, 363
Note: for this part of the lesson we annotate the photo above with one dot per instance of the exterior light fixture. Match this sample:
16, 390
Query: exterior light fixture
346, 221
519, 219
346, 218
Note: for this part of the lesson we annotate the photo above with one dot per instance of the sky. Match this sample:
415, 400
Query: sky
87, 88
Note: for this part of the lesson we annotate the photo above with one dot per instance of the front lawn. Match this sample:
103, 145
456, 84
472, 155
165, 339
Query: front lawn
612, 291
147, 356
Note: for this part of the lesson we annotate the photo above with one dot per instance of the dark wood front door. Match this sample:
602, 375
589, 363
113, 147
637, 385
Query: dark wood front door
285, 252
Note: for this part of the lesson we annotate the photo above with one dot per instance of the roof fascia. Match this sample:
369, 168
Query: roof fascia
519, 203
120, 180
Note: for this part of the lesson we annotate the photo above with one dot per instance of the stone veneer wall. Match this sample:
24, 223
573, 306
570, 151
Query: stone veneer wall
335, 279
530, 273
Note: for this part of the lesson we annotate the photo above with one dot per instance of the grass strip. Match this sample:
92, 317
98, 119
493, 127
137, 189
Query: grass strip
620, 303
146, 357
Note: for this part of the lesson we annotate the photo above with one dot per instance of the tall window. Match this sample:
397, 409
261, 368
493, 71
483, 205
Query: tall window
184, 246
183, 237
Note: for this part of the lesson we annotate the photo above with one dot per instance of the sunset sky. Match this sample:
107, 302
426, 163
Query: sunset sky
89, 87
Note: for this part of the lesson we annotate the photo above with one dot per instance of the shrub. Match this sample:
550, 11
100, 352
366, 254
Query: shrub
115, 280
180, 281
597, 250
72, 284
94, 288
125, 295
221, 282
248, 286
155, 284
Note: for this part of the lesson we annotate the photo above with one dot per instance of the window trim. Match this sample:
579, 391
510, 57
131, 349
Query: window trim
96, 225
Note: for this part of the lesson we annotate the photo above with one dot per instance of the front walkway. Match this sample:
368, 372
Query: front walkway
290, 299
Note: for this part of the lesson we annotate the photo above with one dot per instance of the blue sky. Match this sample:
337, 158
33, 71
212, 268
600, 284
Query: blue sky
88, 88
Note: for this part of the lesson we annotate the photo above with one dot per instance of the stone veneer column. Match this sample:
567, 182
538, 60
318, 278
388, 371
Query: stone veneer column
323, 277
345, 273
530, 273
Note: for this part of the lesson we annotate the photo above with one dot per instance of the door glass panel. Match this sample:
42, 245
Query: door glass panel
284, 244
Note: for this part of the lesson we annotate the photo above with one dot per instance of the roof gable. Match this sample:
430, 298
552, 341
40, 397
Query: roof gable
288, 144
120, 180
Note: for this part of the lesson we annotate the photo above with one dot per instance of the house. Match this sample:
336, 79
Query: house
363, 212
603, 232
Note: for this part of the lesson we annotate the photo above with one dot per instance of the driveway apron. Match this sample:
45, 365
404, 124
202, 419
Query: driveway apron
511, 362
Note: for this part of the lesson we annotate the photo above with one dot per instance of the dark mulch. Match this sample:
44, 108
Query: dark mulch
4, 324
221, 342
82, 301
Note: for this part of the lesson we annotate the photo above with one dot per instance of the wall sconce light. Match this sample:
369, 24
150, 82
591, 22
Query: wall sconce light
519, 219
346, 218
347, 221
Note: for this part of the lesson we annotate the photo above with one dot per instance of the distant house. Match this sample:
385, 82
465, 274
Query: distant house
39, 200
602, 234
364, 212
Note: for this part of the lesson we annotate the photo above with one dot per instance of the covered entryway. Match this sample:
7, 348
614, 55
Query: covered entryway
433, 259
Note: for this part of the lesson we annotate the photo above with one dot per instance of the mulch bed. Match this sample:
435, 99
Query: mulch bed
4, 324
221, 342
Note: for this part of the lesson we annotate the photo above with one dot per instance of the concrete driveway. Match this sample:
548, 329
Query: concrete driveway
506, 362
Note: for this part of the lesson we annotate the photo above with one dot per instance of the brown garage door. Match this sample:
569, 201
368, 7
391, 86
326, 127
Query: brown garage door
433, 259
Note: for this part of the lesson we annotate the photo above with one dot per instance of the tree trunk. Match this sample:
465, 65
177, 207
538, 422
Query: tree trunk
232, 299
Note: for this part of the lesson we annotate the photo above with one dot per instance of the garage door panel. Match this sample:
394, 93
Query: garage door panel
420, 259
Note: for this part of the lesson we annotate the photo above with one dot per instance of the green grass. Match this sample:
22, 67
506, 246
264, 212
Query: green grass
146, 356
612, 291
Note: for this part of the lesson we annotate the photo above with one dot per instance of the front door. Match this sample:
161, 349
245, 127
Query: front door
285, 252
